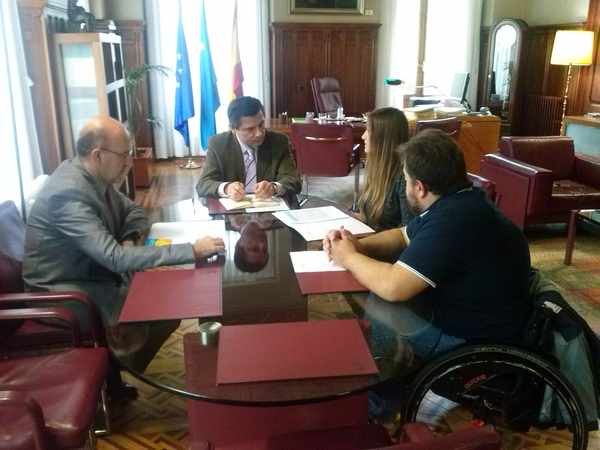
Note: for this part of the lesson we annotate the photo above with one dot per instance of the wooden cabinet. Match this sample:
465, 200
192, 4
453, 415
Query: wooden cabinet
301, 51
90, 81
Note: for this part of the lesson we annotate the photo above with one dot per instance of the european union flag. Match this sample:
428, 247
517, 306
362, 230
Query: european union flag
184, 99
209, 95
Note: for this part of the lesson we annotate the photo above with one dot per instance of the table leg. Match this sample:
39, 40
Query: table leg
571, 231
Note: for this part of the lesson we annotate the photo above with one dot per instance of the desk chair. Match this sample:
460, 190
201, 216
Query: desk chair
326, 151
326, 94
450, 126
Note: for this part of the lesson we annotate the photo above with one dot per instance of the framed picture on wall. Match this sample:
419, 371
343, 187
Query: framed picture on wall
327, 6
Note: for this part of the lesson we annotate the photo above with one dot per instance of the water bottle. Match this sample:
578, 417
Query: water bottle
340, 113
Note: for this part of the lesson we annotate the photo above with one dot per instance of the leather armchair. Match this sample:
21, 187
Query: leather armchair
326, 94
541, 179
325, 151
49, 401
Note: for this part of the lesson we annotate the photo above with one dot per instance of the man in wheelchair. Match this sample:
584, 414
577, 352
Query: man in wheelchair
457, 275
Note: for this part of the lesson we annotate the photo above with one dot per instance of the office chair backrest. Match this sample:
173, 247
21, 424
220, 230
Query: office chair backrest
326, 94
323, 150
450, 126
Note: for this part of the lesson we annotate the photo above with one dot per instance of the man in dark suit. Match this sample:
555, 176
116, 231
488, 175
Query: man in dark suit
249, 158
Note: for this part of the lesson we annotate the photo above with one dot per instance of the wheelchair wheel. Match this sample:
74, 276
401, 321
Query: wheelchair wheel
514, 390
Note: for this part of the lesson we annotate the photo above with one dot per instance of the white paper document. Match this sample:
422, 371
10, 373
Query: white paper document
187, 232
251, 204
313, 224
313, 261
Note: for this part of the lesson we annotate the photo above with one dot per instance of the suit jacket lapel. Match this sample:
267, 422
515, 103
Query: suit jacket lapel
237, 160
263, 159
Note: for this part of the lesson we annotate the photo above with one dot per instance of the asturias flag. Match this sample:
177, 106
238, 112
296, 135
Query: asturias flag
209, 95
184, 99
237, 78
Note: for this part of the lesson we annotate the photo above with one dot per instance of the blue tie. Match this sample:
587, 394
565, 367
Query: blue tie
250, 166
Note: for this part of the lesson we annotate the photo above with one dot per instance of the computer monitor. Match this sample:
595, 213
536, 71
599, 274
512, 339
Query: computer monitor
460, 86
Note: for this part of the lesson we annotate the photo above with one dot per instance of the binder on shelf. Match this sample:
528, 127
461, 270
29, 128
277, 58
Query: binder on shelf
294, 350
173, 294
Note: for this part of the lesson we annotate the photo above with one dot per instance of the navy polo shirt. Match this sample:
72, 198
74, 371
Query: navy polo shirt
477, 265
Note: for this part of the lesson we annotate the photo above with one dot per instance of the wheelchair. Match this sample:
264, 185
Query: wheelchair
518, 390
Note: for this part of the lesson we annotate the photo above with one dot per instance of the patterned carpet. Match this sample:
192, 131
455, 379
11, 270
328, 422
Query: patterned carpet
158, 420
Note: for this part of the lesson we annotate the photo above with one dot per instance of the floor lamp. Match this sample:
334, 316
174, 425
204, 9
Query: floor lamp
571, 48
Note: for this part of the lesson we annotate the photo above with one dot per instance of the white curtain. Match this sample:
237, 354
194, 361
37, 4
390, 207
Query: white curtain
452, 44
20, 162
397, 50
162, 17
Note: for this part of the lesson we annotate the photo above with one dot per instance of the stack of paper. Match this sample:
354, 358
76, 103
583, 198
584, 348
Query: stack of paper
313, 224
164, 233
317, 275
252, 204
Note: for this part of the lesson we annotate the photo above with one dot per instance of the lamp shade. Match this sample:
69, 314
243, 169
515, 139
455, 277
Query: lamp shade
573, 47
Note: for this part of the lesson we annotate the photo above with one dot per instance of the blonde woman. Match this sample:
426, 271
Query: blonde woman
383, 202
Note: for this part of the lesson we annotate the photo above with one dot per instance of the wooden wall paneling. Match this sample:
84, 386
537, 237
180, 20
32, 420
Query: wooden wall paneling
40, 19
134, 54
301, 51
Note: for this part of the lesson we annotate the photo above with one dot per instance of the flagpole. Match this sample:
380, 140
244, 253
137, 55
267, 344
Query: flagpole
184, 106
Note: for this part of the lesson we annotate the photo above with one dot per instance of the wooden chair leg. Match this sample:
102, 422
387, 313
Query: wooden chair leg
571, 232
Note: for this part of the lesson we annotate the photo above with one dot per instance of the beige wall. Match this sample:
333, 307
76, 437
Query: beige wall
535, 12
280, 12
544, 12
125, 10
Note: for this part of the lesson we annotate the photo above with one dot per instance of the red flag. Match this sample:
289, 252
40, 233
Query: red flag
237, 79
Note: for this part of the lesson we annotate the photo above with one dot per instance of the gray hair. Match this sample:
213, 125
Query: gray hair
90, 139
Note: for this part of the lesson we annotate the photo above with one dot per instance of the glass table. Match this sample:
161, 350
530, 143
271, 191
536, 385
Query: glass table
219, 414
267, 295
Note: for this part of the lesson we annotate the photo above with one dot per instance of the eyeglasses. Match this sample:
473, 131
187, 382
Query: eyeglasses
128, 154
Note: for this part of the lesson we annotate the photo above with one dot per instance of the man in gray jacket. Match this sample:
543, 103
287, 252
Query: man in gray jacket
81, 235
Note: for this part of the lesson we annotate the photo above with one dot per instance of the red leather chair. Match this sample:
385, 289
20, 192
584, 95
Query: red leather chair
325, 151
415, 436
541, 179
326, 94
50, 401
450, 126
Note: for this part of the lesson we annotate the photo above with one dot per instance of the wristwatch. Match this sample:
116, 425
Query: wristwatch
275, 188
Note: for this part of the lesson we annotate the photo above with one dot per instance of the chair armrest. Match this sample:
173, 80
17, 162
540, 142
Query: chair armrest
59, 313
18, 298
516, 166
534, 183
19, 404
587, 170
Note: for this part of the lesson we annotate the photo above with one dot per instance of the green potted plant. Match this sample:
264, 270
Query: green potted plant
143, 156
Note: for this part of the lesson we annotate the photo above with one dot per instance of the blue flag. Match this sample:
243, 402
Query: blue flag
209, 95
184, 99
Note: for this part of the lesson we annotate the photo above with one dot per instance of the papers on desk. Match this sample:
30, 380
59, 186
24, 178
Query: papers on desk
313, 261
251, 204
317, 275
165, 233
313, 224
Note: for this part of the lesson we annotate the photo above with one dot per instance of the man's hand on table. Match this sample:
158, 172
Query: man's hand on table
207, 246
235, 191
264, 190
339, 244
